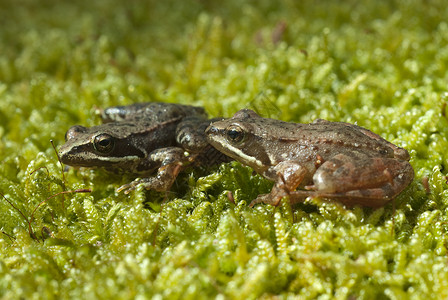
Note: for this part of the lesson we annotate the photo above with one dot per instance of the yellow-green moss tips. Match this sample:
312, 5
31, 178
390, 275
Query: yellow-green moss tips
380, 64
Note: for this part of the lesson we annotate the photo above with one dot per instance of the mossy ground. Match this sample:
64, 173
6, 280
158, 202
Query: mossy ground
382, 64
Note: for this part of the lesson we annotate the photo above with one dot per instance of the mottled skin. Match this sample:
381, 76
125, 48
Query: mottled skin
152, 112
331, 160
139, 138
190, 134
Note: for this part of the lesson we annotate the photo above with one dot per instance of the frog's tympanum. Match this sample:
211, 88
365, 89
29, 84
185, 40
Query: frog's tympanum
141, 138
331, 160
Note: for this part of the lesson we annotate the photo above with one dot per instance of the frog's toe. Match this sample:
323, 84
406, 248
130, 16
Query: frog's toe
152, 183
127, 188
259, 199
266, 198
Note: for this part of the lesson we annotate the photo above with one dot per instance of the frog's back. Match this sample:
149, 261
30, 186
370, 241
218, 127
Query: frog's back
321, 135
329, 136
151, 112
363, 134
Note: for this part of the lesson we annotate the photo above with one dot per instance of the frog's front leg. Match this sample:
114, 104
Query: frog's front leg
352, 180
289, 175
171, 161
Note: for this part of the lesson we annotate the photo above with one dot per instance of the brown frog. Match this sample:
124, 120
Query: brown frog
332, 160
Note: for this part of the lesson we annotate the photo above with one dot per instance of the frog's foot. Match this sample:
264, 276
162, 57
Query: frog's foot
161, 182
264, 198
172, 160
127, 188
369, 197
374, 197
273, 198
350, 199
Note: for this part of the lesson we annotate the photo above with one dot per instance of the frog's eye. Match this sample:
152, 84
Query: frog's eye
235, 134
104, 143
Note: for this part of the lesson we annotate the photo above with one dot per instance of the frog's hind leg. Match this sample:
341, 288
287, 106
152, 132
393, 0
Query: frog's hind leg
357, 180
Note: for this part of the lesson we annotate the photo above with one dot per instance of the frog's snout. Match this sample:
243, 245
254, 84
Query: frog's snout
64, 155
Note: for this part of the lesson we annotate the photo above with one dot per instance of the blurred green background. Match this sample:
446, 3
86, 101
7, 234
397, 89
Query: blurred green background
382, 64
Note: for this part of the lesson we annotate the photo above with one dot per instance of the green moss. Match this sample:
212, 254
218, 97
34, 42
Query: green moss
382, 64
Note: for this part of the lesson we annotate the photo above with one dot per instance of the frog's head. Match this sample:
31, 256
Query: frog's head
241, 138
99, 146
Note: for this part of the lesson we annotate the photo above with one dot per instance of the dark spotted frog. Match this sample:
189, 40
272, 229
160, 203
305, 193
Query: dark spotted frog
142, 138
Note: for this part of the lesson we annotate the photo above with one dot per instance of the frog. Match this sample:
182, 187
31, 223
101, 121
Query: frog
323, 159
139, 138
